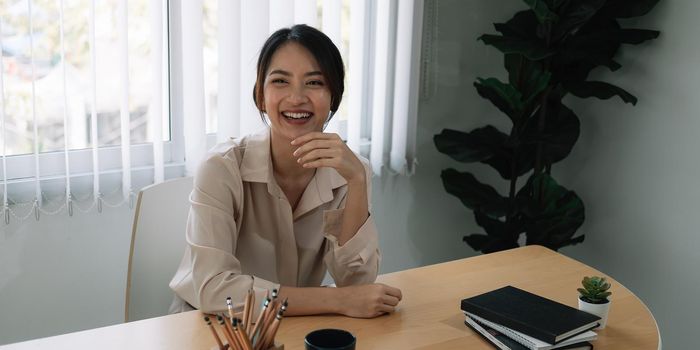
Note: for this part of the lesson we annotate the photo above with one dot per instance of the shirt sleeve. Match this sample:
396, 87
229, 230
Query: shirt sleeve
356, 261
209, 271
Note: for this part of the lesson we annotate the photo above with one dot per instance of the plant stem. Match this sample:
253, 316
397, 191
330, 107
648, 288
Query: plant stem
513, 181
539, 157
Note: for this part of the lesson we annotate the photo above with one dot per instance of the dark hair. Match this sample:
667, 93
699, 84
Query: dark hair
320, 46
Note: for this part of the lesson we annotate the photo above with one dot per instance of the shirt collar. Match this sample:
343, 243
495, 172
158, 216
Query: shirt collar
256, 166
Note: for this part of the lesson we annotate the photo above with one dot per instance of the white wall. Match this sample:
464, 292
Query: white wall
633, 167
62, 274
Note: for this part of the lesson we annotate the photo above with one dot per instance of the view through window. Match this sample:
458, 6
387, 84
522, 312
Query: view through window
20, 48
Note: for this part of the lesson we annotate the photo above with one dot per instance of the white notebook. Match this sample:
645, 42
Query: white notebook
530, 342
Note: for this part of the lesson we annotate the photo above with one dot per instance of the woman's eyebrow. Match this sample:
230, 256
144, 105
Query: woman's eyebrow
287, 74
281, 72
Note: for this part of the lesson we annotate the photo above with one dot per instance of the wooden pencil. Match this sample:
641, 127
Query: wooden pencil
246, 310
259, 322
250, 311
213, 332
241, 335
269, 337
232, 344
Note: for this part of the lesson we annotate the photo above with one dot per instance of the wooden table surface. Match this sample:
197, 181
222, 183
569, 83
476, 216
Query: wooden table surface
428, 317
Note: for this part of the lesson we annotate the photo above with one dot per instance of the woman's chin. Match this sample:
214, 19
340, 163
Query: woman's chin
293, 128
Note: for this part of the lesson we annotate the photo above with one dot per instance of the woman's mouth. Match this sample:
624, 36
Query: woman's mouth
297, 115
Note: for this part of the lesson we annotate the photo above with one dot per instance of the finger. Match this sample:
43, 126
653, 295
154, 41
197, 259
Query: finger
318, 154
390, 300
320, 163
314, 144
393, 291
314, 135
386, 308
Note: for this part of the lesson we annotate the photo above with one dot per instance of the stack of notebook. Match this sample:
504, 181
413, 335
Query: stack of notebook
511, 318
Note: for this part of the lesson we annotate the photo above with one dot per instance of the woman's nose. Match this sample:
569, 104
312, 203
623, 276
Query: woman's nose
297, 95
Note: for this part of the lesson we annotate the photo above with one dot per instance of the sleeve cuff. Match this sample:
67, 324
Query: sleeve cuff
362, 245
260, 288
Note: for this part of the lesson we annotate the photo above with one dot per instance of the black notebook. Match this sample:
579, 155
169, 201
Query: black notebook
503, 342
538, 317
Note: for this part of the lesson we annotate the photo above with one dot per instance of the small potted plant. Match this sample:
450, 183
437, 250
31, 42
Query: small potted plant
593, 298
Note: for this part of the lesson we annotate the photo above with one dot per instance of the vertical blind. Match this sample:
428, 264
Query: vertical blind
381, 39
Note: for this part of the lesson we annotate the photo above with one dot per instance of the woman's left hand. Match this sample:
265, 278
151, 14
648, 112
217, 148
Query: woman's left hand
319, 149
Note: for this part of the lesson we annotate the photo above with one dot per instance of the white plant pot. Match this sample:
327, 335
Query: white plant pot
600, 310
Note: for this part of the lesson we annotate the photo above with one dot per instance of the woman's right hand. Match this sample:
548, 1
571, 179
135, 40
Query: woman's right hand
368, 300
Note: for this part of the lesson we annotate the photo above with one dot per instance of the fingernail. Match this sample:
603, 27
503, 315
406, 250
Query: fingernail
294, 142
295, 152
299, 160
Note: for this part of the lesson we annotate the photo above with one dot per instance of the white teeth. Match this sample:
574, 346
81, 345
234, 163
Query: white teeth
296, 115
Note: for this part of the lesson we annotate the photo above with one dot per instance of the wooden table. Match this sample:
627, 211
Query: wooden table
428, 317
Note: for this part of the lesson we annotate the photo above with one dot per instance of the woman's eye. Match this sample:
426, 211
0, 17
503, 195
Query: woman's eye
278, 81
316, 82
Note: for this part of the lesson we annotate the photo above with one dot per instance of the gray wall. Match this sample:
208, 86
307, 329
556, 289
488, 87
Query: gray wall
636, 168
633, 167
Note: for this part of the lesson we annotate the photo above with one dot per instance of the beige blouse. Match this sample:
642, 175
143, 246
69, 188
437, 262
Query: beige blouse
242, 232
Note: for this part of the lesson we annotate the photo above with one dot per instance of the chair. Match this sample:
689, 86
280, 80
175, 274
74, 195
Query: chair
157, 245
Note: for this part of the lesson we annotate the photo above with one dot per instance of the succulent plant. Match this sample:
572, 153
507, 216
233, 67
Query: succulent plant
595, 290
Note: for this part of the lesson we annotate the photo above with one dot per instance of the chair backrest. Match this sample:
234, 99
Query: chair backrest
157, 245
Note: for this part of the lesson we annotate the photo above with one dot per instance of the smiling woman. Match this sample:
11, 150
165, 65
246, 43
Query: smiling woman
278, 208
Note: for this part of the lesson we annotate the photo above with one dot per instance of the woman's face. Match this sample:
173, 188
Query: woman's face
296, 97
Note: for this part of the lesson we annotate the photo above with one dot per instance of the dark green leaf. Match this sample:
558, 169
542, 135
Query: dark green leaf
561, 131
591, 55
574, 241
488, 244
527, 76
600, 90
475, 146
573, 15
634, 36
503, 161
523, 25
531, 49
539, 7
476, 241
585, 51
553, 212
629, 8
474, 194
493, 227
554, 5
504, 96
616, 37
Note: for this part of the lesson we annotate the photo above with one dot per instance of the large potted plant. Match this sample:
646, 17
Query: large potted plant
549, 51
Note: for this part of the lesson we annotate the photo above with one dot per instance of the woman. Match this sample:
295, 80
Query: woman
279, 208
